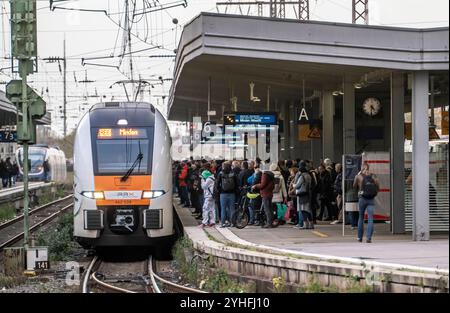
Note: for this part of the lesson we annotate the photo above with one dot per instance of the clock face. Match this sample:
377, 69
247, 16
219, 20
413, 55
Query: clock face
371, 106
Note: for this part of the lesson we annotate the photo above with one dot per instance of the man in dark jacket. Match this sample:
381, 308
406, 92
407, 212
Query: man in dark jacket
266, 190
325, 193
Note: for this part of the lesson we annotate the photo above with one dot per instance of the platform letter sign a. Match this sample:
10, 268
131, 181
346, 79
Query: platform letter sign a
303, 118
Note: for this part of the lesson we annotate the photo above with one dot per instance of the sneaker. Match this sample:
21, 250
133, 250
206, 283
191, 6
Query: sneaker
223, 226
352, 228
359, 240
334, 222
299, 227
368, 240
211, 225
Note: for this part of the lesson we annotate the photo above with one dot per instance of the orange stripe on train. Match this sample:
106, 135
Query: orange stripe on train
113, 183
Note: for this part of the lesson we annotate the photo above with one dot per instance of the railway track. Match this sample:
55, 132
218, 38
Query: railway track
146, 282
11, 231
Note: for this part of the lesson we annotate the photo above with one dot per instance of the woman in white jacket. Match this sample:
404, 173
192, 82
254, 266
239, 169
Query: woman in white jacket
209, 210
279, 190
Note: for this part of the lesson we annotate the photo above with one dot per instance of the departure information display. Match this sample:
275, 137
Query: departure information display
236, 118
121, 133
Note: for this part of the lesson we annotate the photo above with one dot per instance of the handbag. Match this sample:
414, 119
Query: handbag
281, 210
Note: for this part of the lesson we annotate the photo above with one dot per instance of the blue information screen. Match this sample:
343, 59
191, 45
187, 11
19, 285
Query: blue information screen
268, 119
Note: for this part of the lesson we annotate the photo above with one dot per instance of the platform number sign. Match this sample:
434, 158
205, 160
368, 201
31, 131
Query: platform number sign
42, 265
8, 136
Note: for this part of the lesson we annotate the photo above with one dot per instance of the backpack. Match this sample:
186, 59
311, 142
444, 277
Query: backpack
277, 185
369, 189
228, 182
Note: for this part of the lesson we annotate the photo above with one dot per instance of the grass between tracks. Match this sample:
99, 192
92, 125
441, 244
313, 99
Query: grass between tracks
59, 239
7, 212
202, 273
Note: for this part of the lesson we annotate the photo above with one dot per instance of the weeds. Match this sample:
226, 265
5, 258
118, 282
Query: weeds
7, 211
59, 240
10, 282
201, 272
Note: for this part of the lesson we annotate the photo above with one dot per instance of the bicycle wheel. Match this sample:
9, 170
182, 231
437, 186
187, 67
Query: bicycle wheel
240, 219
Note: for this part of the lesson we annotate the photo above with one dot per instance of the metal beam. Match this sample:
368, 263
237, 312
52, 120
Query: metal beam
360, 12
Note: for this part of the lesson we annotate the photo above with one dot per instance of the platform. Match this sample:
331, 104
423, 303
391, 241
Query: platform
399, 264
16, 192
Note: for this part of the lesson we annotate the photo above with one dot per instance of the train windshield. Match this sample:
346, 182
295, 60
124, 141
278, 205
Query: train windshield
118, 149
36, 157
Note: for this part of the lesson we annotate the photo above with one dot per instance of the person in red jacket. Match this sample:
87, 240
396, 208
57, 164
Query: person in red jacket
183, 185
266, 190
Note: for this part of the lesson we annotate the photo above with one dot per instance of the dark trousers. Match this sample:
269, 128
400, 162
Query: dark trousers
5, 182
184, 196
268, 210
314, 206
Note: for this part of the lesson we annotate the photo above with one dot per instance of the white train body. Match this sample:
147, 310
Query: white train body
112, 209
37, 154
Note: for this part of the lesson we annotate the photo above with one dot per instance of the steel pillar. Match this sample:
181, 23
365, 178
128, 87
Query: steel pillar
328, 125
420, 157
397, 154
349, 117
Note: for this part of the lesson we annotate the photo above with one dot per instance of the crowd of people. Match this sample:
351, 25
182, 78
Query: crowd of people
291, 191
8, 172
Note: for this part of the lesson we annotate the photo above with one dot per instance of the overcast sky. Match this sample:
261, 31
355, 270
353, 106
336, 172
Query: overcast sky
93, 34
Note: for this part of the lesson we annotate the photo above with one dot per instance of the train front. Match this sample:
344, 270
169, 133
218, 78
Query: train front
122, 186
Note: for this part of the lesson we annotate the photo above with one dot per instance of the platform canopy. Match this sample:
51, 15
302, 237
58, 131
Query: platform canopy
231, 51
8, 112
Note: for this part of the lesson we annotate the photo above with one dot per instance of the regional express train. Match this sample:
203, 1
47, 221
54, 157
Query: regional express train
54, 168
122, 178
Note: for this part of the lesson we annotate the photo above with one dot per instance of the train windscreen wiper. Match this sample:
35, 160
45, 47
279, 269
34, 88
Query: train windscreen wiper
138, 160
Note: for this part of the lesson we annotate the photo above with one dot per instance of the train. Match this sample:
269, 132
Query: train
47, 163
122, 179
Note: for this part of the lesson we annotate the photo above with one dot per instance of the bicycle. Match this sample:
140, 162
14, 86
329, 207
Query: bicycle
240, 216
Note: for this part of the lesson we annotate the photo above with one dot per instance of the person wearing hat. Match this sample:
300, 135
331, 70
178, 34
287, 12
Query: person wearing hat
209, 204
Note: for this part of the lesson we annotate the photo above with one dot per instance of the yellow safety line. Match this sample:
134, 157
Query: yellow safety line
318, 233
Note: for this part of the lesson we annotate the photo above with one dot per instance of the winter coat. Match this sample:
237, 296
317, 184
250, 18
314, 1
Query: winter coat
303, 179
183, 176
208, 187
282, 194
243, 177
266, 186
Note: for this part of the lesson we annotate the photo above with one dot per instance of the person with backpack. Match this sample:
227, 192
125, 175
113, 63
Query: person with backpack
227, 187
279, 192
266, 190
368, 187
209, 204
303, 192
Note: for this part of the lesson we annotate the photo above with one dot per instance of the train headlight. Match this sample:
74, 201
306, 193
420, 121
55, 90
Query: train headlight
152, 194
97, 195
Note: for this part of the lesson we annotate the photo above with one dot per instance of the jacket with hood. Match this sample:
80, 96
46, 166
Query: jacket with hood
208, 184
